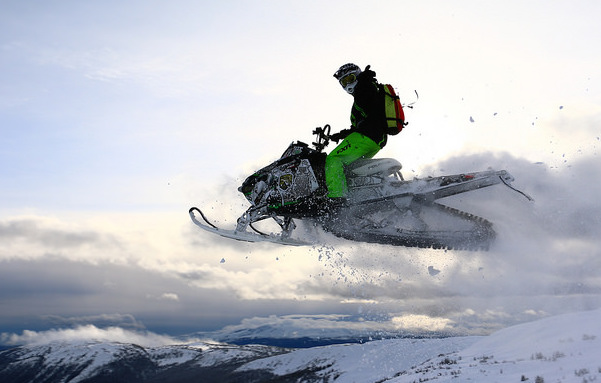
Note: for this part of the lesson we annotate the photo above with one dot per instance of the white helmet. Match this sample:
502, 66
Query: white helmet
347, 76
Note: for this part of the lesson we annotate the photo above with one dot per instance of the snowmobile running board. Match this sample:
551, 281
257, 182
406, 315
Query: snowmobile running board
243, 236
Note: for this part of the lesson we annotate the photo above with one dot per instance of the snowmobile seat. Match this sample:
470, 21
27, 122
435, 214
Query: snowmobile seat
380, 167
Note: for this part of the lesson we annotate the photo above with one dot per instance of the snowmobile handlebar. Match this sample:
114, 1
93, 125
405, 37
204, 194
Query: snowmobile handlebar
323, 137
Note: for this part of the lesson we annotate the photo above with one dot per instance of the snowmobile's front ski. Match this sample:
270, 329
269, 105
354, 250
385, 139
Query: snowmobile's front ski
244, 236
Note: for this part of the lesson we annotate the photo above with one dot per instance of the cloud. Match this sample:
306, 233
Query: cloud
34, 236
175, 75
123, 321
55, 292
165, 297
421, 323
87, 333
50, 291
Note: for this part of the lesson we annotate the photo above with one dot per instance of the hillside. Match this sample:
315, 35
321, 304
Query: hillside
556, 349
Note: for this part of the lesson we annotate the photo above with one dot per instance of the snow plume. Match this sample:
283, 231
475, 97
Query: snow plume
88, 333
552, 245
545, 259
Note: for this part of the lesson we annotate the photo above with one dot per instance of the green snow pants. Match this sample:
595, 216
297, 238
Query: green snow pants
352, 148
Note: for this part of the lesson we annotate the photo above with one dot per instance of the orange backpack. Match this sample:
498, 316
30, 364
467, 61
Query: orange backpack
395, 117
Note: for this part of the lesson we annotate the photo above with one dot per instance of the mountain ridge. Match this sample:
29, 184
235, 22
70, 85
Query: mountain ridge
563, 348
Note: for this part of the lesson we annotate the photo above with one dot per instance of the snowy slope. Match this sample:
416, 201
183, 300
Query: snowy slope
103, 362
565, 348
557, 349
369, 362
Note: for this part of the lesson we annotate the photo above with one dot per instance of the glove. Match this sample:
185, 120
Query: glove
368, 73
339, 136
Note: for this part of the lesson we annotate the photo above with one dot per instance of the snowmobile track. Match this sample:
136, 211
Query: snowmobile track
478, 238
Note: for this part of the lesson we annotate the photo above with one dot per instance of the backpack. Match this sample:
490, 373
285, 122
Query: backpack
395, 117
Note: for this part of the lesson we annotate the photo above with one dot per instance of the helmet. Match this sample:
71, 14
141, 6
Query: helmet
347, 76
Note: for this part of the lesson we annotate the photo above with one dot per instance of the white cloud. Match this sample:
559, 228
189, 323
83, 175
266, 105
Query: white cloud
165, 297
88, 333
178, 73
123, 321
413, 322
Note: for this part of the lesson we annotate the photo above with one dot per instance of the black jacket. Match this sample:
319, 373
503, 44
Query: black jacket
367, 113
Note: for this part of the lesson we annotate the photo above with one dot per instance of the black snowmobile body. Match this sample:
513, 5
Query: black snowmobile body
297, 179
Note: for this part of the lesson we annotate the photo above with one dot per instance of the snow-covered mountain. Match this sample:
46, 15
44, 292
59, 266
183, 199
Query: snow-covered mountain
557, 349
116, 362
292, 331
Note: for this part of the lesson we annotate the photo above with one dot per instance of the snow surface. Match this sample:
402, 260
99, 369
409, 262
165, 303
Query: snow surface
99, 355
565, 348
94, 356
367, 362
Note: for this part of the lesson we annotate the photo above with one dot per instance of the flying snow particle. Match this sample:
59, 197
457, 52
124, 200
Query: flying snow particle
432, 271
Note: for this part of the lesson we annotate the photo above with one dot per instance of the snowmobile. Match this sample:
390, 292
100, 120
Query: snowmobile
382, 206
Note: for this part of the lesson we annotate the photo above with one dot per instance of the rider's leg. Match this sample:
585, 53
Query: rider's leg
352, 148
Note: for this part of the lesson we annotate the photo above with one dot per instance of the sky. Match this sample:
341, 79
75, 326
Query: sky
116, 117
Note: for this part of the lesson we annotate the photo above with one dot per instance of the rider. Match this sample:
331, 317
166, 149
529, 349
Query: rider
367, 134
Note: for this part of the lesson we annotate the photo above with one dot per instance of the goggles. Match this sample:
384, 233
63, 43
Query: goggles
348, 79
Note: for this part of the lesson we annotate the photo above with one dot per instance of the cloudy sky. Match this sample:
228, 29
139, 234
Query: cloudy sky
116, 117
